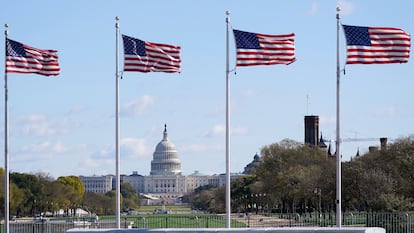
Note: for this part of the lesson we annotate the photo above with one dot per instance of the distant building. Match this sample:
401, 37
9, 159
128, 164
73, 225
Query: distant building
165, 184
97, 184
250, 168
311, 130
312, 134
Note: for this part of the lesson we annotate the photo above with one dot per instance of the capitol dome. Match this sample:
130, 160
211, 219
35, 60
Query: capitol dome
165, 158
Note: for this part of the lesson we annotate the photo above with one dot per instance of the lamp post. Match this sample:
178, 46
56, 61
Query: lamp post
318, 192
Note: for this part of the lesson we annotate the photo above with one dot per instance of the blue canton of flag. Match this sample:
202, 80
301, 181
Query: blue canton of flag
357, 35
246, 40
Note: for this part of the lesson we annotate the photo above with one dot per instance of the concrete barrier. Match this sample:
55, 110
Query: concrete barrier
238, 230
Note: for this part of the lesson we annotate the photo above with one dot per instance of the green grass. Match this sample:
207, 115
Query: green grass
176, 221
152, 208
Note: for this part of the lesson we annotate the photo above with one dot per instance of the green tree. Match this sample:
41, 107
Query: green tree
130, 199
291, 172
98, 203
74, 192
241, 193
33, 194
381, 180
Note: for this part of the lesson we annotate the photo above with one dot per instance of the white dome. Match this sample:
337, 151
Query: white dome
165, 158
165, 145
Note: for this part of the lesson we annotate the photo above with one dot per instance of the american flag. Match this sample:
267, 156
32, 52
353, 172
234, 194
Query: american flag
21, 58
261, 49
141, 56
376, 45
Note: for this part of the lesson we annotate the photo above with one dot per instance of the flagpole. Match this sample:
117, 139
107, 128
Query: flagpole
117, 150
228, 206
6, 144
338, 132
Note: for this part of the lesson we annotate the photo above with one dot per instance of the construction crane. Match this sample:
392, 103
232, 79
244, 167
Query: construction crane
358, 140
381, 140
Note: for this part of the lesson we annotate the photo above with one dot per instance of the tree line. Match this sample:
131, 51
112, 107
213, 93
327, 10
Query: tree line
41, 195
290, 178
296, 178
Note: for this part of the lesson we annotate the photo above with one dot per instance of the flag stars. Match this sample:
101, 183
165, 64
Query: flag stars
246, 40
357, 35
134, 46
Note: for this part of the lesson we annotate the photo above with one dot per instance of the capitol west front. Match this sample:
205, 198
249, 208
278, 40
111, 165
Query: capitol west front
165, 183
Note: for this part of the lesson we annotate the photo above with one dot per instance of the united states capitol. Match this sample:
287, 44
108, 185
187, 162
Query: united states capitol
165, 184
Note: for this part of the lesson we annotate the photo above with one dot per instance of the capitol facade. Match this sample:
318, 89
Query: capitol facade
165, 183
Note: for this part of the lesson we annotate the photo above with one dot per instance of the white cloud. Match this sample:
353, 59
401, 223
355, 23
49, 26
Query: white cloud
314, 9
137, 106
197, 148
346, 7
238, 131
49, 147
327, 120
217, 130
220, 130
45, 150
386, 111
90, 166
106, 152
35, 125
249, 92
89, 163
129, 147
135, 147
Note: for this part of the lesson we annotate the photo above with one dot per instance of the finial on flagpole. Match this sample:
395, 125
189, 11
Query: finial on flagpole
228, 16
338, 9
117, 22
6, 26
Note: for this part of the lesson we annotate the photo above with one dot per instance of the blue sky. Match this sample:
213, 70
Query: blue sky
65, 125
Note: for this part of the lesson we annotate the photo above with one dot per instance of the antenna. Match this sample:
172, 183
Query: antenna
307, 104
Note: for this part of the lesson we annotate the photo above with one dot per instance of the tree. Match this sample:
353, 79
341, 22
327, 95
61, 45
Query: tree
98, 203
74, 192
30, 201
241, 193
291, 171
381, 180
130, 199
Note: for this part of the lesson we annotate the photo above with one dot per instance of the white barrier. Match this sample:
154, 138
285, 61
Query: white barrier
238, 230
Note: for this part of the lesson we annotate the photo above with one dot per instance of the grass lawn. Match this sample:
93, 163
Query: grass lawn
152, 208
175, 221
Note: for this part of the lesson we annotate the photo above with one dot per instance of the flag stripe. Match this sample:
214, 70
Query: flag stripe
376, 45
24, 59
264, 49
141, 56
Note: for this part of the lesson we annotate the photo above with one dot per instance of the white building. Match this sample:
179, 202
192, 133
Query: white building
165, 182
97, 184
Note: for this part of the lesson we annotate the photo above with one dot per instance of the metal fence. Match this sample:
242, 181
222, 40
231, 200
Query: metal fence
392, 222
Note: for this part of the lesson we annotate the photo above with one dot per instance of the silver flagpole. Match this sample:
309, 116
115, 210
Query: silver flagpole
338, 132
228, 206
6, 145
117, 151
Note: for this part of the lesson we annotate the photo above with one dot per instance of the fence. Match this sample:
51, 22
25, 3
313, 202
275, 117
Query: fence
392, 222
